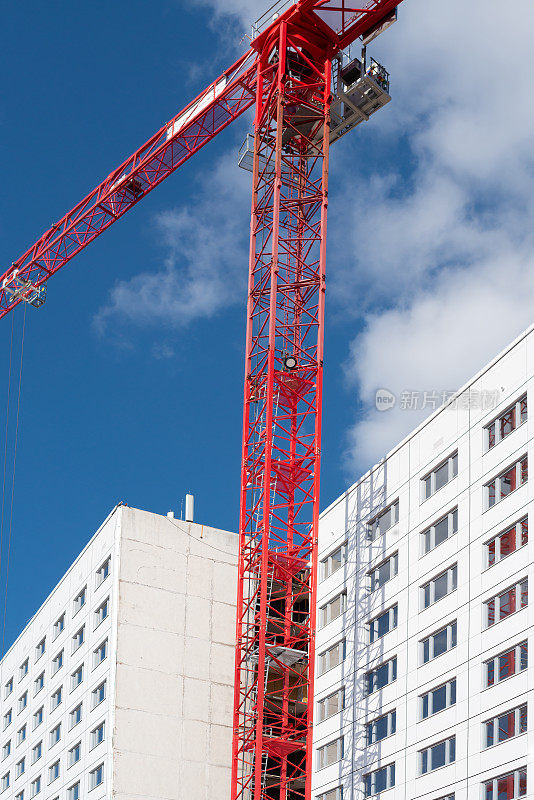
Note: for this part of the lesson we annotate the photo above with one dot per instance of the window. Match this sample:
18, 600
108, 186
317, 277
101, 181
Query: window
507, 787
8, 716
21, 735
513, 599
78, 639
507, 482
99, 694
35, 786
75, 753
20, 796
330, 705
38, 683
330, 753
73, 793
439, 642
102, 612
441, 530
8, 688
103, 571
37, 752
53, 772
20, 767
333, 562
506, 664
383, 572
59, 625
6, 750
383, 521
38, 717
331, 658
439, 698
507, 542
98, 735
439, 587
96, 777
57, 697
379, 780
23, 702
57, 662
383, 624
332, 794
55, 735
512, 418
75, 715
505, 726
79, 601
333, 609
76, 677
382, 675
449, 797
100, 653
381, 727
438, 755
440, 476
5, 781
23, 669
40, 649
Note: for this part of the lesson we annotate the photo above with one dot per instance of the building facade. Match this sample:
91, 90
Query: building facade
122, 683
424, 687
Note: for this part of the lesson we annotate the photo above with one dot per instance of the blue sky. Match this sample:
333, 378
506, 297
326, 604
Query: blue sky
128, 392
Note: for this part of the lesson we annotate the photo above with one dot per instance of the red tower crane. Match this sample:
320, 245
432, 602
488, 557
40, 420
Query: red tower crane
307, 92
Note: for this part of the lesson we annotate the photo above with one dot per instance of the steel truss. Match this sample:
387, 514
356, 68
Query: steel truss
281, 429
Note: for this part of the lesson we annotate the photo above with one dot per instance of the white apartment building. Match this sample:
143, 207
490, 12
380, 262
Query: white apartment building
424, 686
121, 685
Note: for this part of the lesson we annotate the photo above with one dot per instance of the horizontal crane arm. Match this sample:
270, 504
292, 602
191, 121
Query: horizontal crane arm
219, 105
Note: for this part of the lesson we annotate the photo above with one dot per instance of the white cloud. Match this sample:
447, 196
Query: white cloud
443, 248
203, 271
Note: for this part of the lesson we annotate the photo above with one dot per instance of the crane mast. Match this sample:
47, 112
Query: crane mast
307, 93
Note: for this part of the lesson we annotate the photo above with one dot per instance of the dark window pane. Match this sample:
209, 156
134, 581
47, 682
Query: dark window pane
522, 783
507, 665
507, 603
489, 734
394, 669
440, 586
505, 788
522, 719
439, 699
455, 520
524, 531
426, 650
523, 407
455, 465
508, 482
490, 674
524, 593
507, 422
441, 531
489, 791
491, 612
426, 595
491, 553
508, 542
424, 761
453, 692
438, 755
524, 656
368, 788
506, 728
524, 470
381, 728
442, 475
393, 721
440, 642
491, 435
428, 486
381, 780
491, 494
425, 706
452, 750
453, 634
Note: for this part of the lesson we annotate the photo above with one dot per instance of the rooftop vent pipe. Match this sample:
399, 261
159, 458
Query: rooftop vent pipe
189, 507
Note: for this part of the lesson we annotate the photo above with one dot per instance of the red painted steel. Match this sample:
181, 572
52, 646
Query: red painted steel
287, 74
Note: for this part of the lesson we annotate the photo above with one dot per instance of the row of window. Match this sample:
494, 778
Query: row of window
509, 786
95, 778
500, 729
99, 655
97, 737
78, 603
98, 695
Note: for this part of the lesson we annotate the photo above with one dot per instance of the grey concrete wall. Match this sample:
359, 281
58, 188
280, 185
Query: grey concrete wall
175, 657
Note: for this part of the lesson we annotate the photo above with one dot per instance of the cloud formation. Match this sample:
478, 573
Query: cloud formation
202, 273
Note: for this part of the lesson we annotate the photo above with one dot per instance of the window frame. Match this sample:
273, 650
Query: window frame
498, 435
452, 585
391, 727
373, 525
452, 472
392, 614
369, 780
425, 755
79, 601
325, 611
452, 641
322, 704
103, 571
374, 579
322, 751
371, 675
495, 729
325, 654
520, 469
494, 661
59, 626
326, 562
516, 773
428, 696
430, 530
519, 592
519, 537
